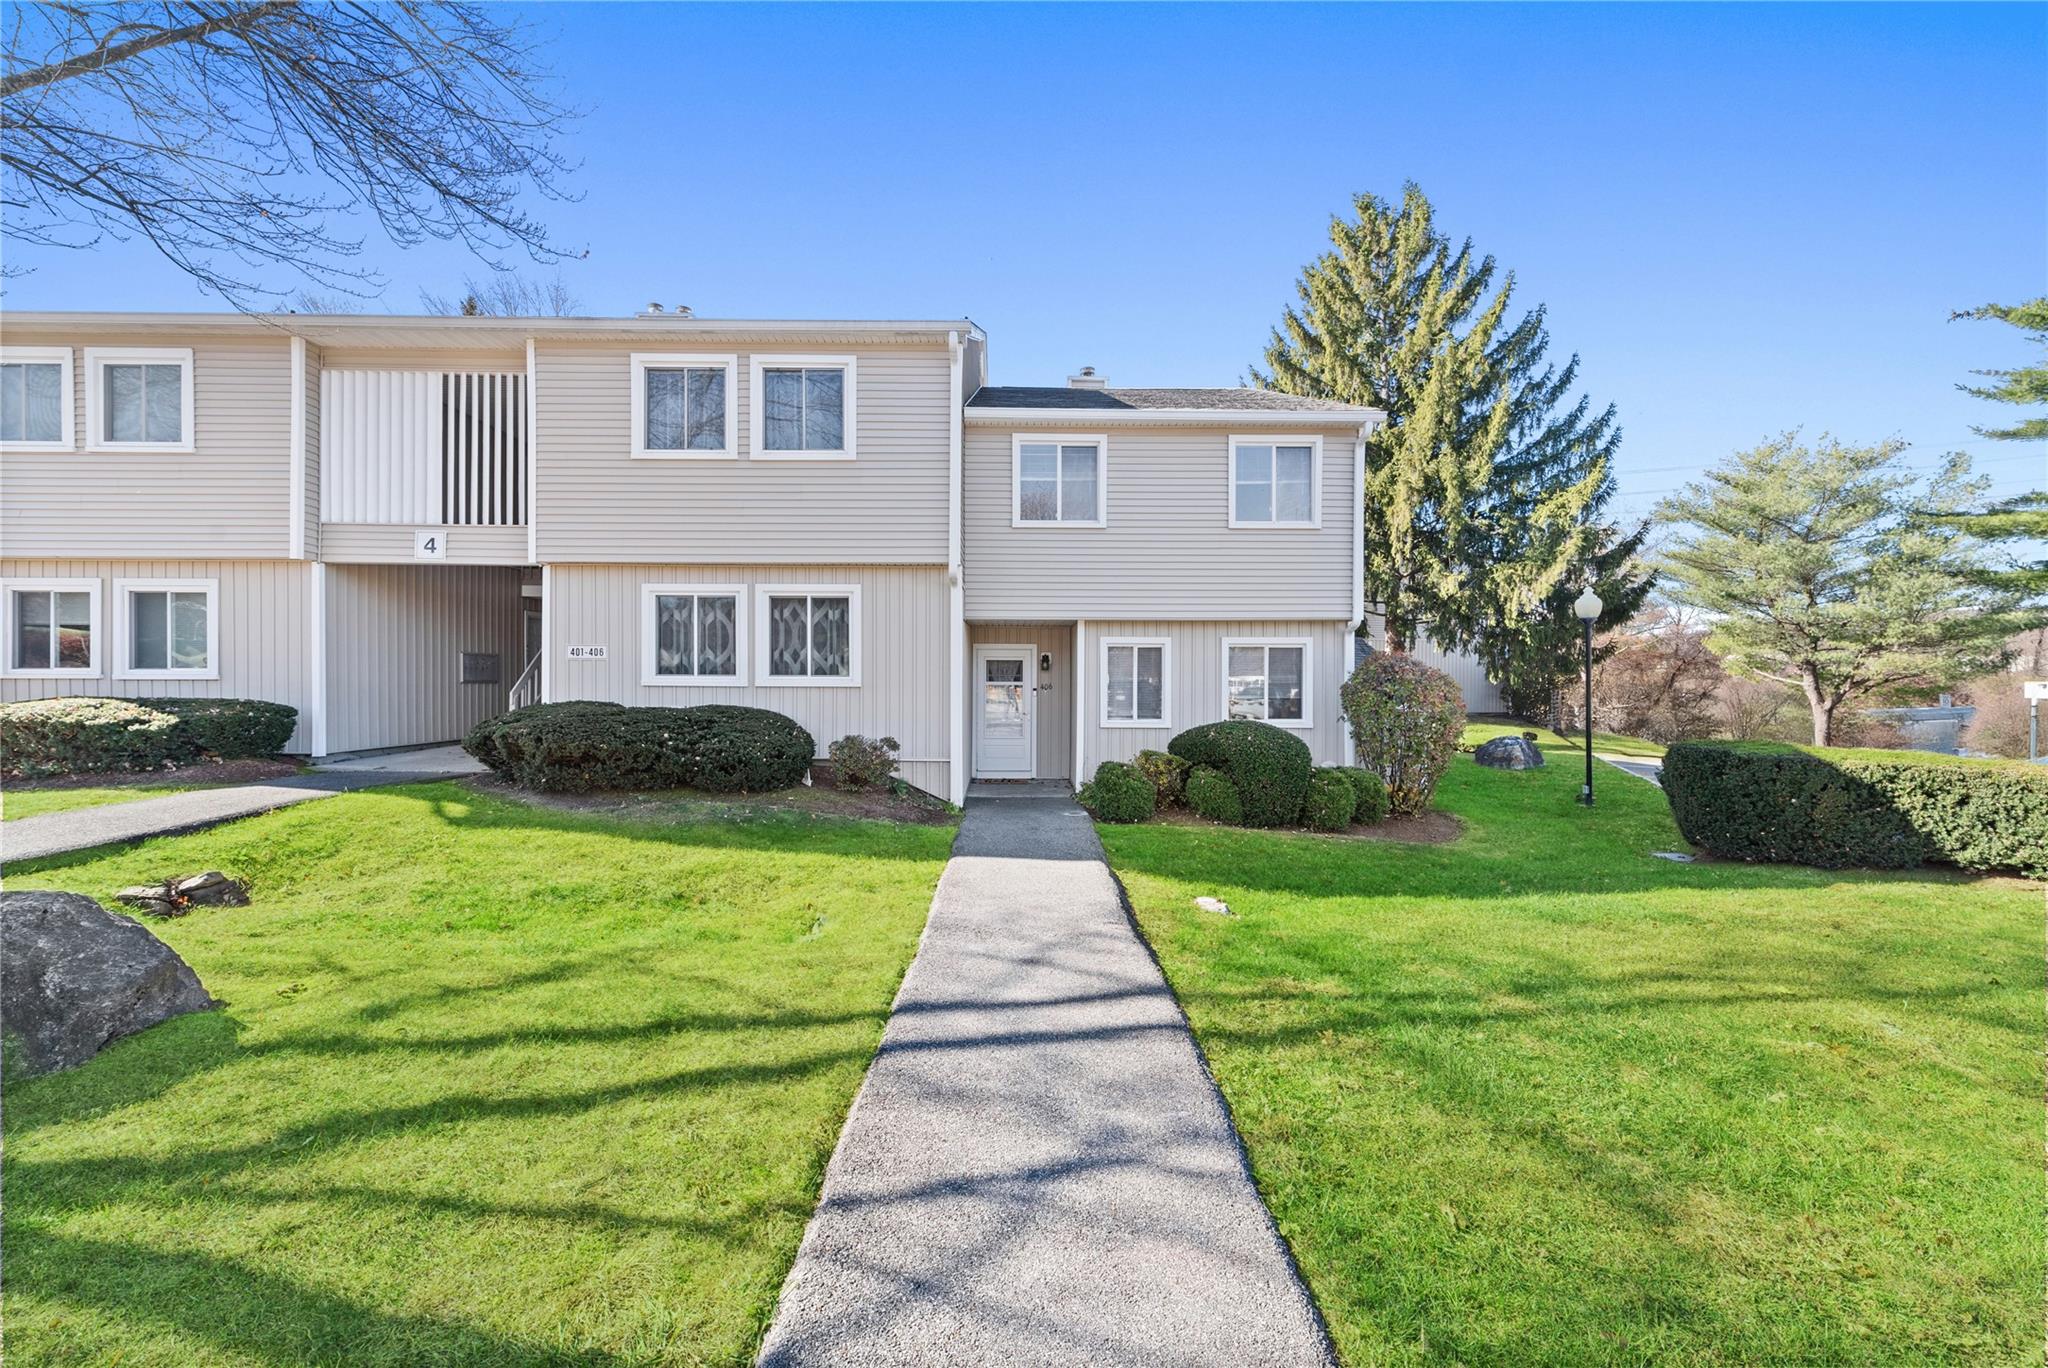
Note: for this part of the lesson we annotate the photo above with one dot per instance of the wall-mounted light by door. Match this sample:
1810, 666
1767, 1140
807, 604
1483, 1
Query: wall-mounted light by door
1045, 662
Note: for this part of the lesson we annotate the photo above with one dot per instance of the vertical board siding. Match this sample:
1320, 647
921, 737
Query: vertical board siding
1482, 695
483, 456
264, 653
311, 512
395, 634
887, 506
904, 639
1168, 550
1194, 684
380, 446
1054, 699
224, 497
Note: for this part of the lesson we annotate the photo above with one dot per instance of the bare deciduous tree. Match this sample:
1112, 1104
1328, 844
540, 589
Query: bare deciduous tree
505, 295
228, 132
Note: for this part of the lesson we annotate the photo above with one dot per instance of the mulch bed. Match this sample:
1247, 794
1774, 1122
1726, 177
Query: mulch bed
1425, 828
692, 805
199, 772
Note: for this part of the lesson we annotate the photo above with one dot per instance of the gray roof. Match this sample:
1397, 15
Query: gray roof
1132, 400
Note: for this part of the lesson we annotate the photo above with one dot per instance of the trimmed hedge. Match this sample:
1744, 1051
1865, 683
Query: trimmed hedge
1369, 790
1406, 719
1119, 793
1331, 801
1268, 767
1168, 773
585, 746
1213, 796
1839, 808
95, 735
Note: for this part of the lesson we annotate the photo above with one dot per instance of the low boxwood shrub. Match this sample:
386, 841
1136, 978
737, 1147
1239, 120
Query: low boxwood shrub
1212, 795
1837, 808
94, 735
1119, 793
1268, 767
1406, 719
863, 762
1168, 773
1369, 790
1331, 801
585, 746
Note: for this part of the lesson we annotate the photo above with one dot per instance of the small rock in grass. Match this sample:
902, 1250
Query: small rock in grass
1675, 856
212, 889
1216, 905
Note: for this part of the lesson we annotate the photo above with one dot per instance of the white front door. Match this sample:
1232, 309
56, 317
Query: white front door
1005, 727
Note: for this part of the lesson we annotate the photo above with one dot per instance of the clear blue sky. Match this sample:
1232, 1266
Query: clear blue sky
1744, 218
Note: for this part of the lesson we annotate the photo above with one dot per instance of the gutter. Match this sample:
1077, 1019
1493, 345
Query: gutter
1099, 417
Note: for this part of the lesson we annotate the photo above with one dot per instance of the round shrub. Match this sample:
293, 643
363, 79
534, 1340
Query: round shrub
1368, 789
1119, 793
585, 746
1213, 796
862, 762
1168, 773
1268, 767
1331, 801
1406, 719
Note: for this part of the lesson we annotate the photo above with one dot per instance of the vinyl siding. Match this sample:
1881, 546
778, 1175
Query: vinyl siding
314, 363
229, 495
1168, 550
598, 504
904, 636
1054, 698
262, 633
1194, 684
383, 543
1482, 695
395, 634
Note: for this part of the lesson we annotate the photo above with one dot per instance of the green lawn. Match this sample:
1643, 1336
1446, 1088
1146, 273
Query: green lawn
20, 802
1537, 1097
491, 1085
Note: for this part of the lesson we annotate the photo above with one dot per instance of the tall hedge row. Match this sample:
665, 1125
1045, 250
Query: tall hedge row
94, 735
585, 746
1842, 808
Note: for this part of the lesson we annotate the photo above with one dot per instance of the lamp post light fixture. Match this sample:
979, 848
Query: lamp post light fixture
1588, 608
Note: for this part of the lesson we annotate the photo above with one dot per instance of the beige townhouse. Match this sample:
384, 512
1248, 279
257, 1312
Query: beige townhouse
402, 525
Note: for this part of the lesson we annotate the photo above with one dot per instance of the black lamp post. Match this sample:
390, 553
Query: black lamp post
1588, 608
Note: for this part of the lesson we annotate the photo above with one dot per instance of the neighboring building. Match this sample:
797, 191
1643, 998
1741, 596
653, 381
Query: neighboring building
402, 525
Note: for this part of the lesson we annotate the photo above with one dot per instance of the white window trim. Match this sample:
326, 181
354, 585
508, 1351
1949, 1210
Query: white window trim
1097, 440
1315, 487
95, 669
757, 410
1165, 721
1307, 720
762, 637
98, 357
643, 362
124, 644
648, 654
67, 439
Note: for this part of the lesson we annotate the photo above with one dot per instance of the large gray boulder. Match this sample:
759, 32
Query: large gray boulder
75, 977
1509, 753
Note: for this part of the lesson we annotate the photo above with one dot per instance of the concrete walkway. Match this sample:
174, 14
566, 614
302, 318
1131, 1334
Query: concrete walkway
59, 833
1038, 1169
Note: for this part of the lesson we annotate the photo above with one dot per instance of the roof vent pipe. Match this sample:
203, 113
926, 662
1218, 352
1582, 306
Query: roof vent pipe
1087, 379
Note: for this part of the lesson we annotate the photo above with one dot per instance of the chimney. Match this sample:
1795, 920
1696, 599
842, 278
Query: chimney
1087, 379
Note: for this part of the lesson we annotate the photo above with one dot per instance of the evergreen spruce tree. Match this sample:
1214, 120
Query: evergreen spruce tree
1483, 490
2024, 518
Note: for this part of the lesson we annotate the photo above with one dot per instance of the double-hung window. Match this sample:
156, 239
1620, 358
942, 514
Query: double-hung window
803, 408
1267, 680
809, 634
53, 627
682, 407
1057, 480
35, 398
692, 634
138, 398
167, 629
1274, 481
1134, 681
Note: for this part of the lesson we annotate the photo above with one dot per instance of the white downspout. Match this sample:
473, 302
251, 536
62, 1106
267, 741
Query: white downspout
547, 634
1357, 577
956, 588
316, 657
1080, 696
532, 459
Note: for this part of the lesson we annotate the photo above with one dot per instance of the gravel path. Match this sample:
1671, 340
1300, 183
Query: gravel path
1038, 1169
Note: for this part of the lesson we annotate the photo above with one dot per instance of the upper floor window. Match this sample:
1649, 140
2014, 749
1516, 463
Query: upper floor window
1273, 481
681, 406
1134, 681
803, 408
35, 397
168, 629
1057, 479
694, 634
138, 398
810, 634
1267, 680
53, 627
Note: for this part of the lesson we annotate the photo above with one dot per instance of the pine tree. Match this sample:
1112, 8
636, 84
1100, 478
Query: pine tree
1483, 489
2024, 518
